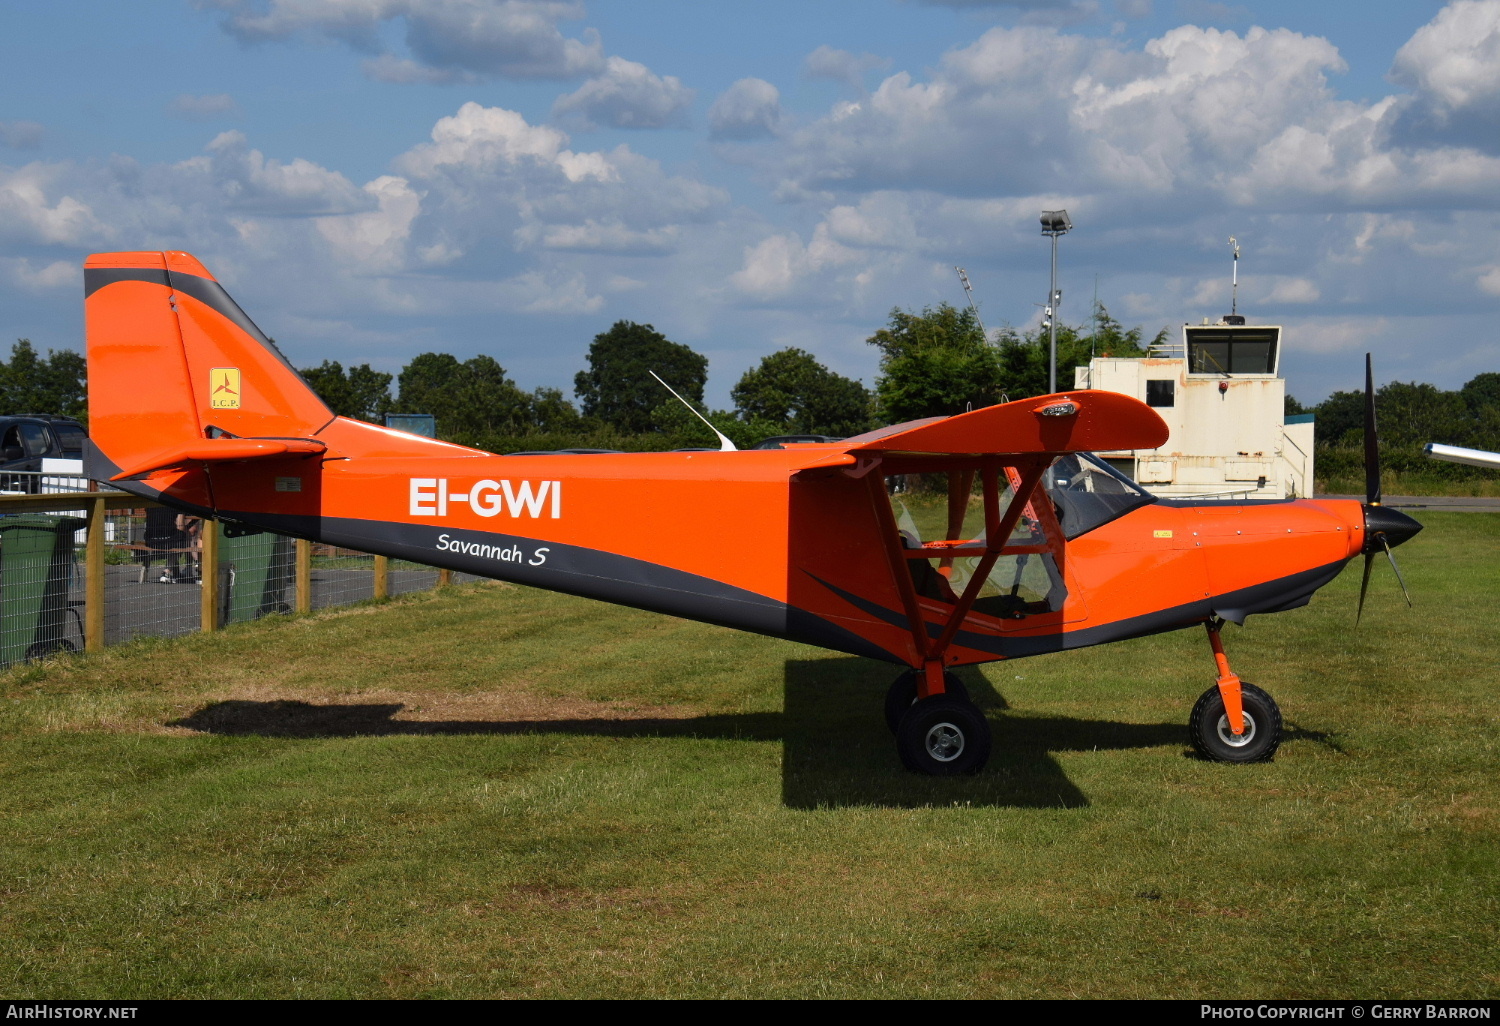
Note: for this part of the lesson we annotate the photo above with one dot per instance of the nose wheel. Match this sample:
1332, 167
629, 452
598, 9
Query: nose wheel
1213, 737
1233, 721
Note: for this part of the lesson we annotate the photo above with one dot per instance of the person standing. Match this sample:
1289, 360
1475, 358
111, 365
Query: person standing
164, 540
192, 531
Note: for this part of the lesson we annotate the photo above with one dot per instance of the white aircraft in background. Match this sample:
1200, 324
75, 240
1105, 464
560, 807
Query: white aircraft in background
1458, 454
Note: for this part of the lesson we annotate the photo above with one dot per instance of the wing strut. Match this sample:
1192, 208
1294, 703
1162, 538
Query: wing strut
998, 526
896, 556
997, 529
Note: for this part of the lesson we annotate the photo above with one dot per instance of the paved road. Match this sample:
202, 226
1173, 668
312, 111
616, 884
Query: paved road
1437, 503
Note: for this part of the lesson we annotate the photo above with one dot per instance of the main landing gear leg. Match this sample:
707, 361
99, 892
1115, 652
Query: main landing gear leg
938, 732
1233, 721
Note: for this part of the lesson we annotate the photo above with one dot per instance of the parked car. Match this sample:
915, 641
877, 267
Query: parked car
34, 445
781, 441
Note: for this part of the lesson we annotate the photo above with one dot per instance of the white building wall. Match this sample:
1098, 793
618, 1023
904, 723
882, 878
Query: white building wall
1230, 440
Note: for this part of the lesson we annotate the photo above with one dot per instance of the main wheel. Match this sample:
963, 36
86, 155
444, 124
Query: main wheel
903, 693
943, 736
1209, 728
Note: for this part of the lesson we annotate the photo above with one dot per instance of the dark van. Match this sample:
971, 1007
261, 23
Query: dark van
28, 439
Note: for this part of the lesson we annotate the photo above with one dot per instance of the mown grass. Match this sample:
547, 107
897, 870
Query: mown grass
493, 791
1407, 483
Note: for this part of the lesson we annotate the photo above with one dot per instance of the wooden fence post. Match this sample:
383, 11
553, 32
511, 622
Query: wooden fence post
208, 570
445, 578
93, 566
382, 577
304, 575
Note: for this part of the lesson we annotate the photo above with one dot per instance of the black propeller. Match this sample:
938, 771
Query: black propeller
1385, 528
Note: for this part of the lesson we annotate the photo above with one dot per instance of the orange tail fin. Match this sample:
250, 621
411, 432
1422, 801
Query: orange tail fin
181, 380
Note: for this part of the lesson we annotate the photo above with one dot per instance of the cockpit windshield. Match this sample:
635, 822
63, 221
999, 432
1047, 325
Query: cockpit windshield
1087, 493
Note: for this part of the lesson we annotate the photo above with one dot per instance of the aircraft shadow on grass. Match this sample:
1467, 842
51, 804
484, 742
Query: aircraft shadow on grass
836, 749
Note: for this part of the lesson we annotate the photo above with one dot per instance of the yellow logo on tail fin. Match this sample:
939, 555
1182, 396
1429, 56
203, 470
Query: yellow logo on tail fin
224, 388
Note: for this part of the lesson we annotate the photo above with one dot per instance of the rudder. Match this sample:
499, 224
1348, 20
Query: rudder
173, 360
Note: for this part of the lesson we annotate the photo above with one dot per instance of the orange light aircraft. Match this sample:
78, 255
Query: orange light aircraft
1039, 546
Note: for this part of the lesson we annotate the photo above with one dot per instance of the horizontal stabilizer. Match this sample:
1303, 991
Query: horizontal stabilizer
1082, 421
222, 450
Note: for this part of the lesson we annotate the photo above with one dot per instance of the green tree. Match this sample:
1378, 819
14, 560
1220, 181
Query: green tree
362, 393
471, 400
1341, 419
550, 411
795, 392
1481, 391
1406, 413
934, 363
671, 420
1412, 414
618, 388
52, 384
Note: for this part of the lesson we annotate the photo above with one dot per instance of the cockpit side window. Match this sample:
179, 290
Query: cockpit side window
1088, 493
949, 508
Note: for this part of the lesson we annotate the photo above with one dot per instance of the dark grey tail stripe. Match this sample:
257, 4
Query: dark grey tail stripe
95, 278
206, 291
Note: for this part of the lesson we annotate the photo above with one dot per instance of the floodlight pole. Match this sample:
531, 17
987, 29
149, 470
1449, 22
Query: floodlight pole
1054, 223
1052, 324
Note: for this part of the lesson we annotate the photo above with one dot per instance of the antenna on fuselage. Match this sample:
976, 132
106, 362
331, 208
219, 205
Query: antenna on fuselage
725, 445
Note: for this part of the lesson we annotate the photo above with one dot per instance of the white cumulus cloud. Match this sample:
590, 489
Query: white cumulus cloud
447, 39
627, 95
842, 65
1452, 64
749, 109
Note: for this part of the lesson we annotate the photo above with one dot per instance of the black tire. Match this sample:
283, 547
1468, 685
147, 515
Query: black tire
943, 736
903, 694
1208, 726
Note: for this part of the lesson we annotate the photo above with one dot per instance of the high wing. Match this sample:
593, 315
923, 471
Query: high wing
1084, 421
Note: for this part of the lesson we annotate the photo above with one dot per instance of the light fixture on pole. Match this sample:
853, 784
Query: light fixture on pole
1054, 223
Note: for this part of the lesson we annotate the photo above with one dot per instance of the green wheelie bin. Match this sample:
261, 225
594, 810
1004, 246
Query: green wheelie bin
260, 568
36, 569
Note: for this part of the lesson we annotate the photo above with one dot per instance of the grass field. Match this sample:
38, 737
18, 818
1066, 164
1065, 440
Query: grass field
1392, 483
493, 791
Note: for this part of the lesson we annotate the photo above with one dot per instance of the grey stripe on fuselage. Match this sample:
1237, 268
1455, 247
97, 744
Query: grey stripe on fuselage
577, 570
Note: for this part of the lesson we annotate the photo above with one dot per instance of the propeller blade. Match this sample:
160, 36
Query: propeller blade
1399, 579
1372, 439
1364, 586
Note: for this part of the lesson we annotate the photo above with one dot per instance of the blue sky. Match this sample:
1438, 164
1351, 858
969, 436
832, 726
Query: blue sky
377, 178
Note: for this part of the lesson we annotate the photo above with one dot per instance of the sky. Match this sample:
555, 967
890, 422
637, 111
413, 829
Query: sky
373, 179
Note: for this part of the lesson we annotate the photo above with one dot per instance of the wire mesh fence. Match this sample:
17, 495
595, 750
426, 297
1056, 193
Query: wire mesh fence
341, 576
407, 577
149, 577
150, 574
